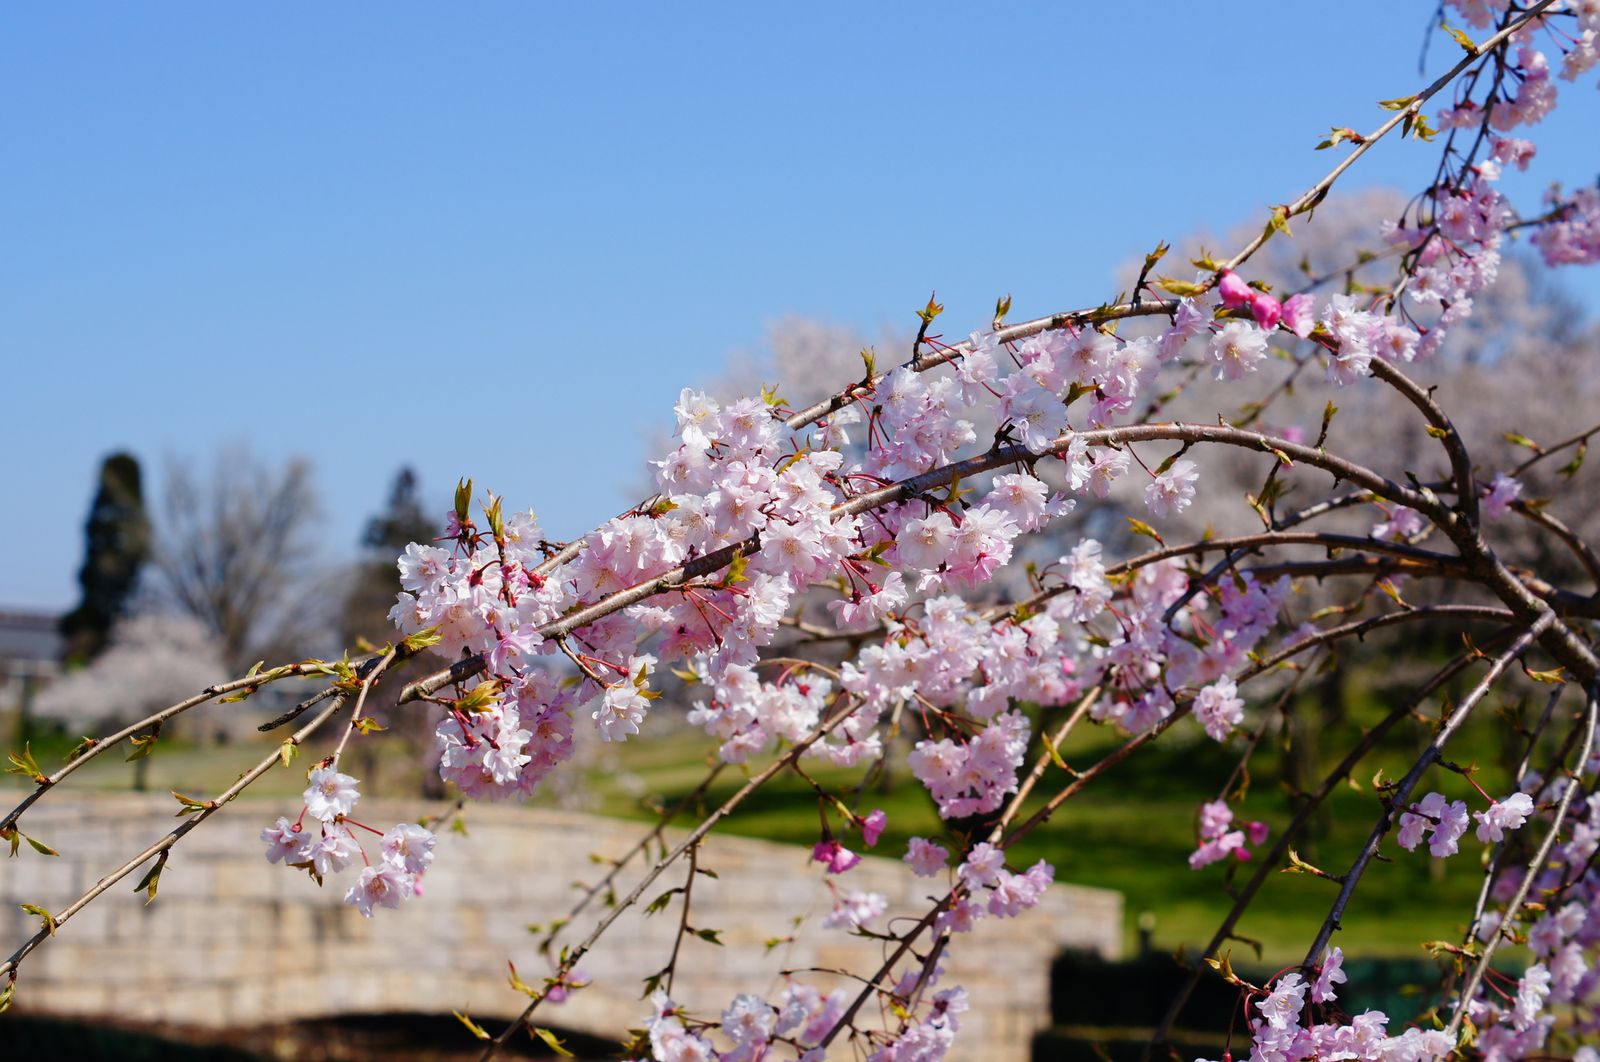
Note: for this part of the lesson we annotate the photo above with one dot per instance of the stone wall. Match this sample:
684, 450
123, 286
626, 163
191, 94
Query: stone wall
231, 941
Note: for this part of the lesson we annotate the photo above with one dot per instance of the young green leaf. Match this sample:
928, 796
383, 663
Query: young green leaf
551, 1040
1180, 288
24, 764
1139, 527
473, 1027
428, 636
190, 804
151, 879
44, 916
1468, 45
1570, 469
39, 846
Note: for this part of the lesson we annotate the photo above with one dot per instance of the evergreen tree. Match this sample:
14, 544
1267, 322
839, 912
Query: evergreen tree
371, 594
117, 543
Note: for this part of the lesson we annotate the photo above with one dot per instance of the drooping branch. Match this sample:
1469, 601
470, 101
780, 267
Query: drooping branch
1269, 863
1396, 801
201, 813
1564, 805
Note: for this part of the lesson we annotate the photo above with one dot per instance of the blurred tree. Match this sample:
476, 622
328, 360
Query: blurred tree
364, 621
377, 581
117, 543
150, 660
232, 552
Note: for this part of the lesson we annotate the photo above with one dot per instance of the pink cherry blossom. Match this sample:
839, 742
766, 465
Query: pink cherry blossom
926, 858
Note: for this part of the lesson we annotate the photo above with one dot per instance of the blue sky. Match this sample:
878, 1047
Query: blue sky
494, 240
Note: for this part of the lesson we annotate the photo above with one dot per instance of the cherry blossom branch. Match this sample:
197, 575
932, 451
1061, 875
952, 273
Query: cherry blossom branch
1238, 547
1396, 801
1042, 764
1013, 806
904, 945
249, 682
373, 674
1089, 774
298, 710
662, 822
1105, 313
1561, 602
1244, 545
1280, 848
200, 814
695, 836
1492, 871
1358, 629
907, 489
683, 921
1575, 545
1080, 779
1441, 426
1317, 192
1534, 865
1580, 439
403, 650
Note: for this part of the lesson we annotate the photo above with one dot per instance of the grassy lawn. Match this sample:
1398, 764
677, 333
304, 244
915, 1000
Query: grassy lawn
1133, 829
175, 764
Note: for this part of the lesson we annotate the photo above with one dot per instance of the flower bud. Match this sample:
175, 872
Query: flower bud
1234, 291
1267, 311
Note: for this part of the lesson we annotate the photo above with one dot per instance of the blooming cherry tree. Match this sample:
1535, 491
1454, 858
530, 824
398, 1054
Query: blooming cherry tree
916, 535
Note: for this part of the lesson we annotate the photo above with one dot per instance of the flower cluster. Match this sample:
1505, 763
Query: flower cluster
803, 1016
1009, 893
1441, 820
1517, 1018
1280, 1033
405, 852
1444, 821
1218, 842
1573, 236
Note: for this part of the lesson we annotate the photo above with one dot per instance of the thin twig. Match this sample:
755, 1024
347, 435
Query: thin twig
210, 808
1396, 802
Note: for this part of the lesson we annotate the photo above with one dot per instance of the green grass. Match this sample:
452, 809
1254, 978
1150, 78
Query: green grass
175, 764
1132, 830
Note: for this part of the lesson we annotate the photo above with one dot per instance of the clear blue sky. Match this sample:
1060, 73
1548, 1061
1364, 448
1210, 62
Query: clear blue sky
495, 239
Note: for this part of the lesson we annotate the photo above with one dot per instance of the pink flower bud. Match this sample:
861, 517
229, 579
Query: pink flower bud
1234, 292
872, 826
1297, 316
1267, 311
1258, 833
838, 858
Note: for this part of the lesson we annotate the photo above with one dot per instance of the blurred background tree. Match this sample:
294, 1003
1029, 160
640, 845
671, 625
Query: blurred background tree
408, 765
151, 660
234, 551
116, 546
376, 580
